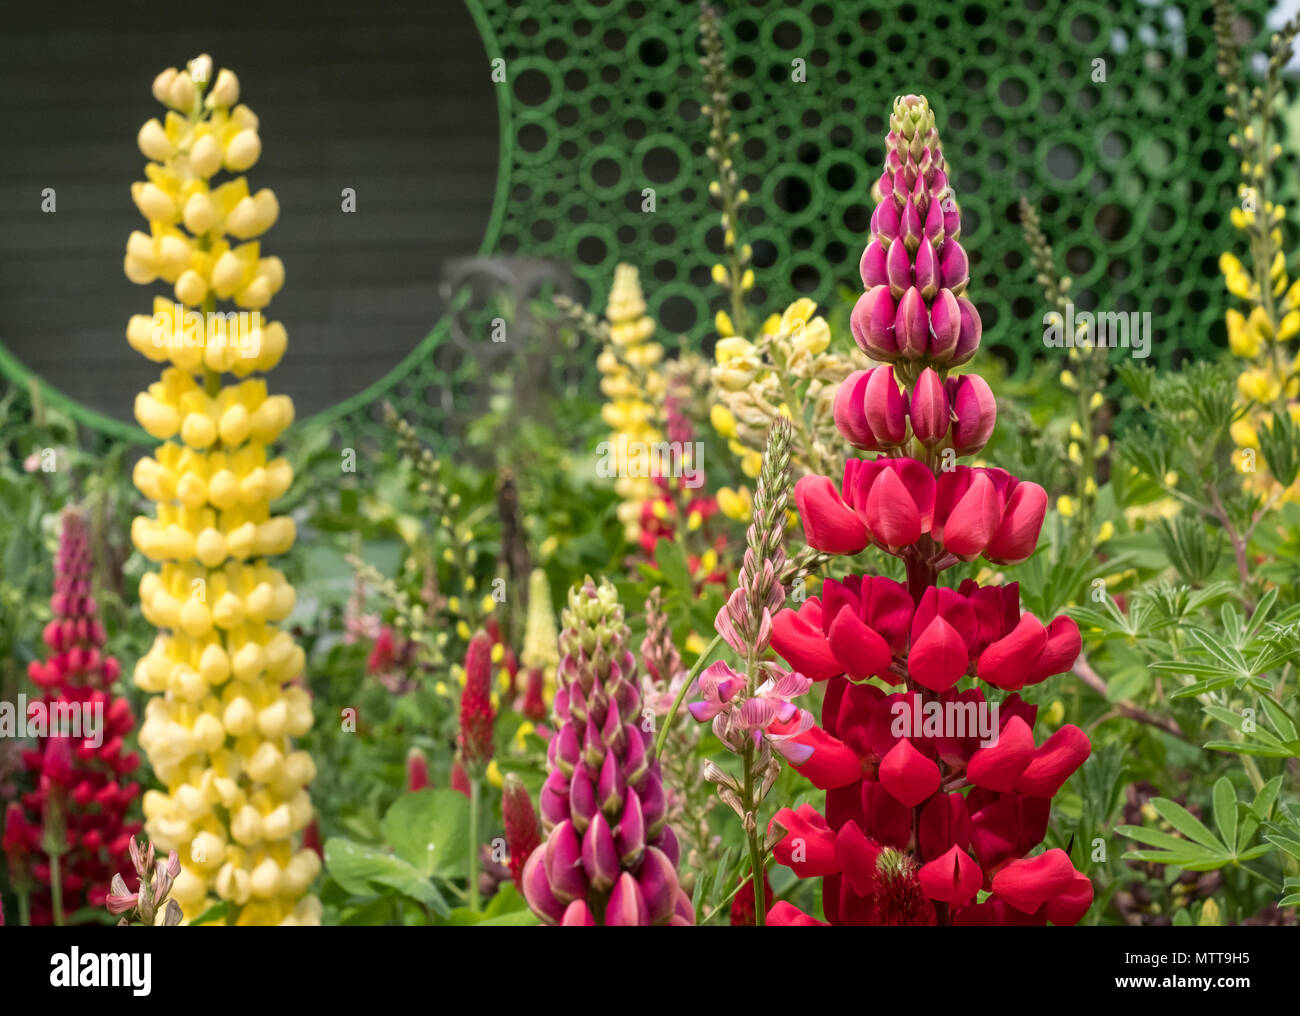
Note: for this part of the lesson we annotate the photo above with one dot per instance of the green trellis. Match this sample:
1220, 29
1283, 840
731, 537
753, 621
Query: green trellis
601, 100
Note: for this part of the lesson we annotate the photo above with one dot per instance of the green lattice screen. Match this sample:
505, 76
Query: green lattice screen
602, 100
1131, 172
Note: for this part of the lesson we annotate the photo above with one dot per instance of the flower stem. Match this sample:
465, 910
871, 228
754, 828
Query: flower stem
24, 908
681, 693
756, 878
56, 889
474, 792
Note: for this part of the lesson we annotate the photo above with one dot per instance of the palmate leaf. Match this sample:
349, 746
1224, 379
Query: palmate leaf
1228, 655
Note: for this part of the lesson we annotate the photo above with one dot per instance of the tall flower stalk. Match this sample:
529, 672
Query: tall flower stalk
219, 730
1263, 336
735, 276
477, 720
634, 389
1085, 376
751, 711
610, 856
84, 788
935, 792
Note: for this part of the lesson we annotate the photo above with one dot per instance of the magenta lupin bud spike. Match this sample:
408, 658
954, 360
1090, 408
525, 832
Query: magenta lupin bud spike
636, 758
884, 222
603, 800
968, 339
669, 845
554, 799
928, 271
872, 324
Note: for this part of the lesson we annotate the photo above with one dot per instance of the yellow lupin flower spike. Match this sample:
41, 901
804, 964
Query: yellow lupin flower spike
219, 728
634, 388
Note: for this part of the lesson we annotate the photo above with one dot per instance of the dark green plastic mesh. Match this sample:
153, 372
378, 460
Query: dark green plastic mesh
1131, 174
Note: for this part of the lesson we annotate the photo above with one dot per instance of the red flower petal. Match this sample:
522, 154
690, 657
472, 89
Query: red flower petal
860, 651
939, 658
798, 638
892, 515
828, 523
857, 858
808, 847
952, 878
999, 765
787, 915
1060, 651
1029, 882
1009, 661
973, 520
1060, 755
907, 775
1017, 535
1068, 908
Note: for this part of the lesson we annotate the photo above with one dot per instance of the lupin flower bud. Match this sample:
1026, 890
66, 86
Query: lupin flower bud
227, 703
913, 307
974, 410
929, 411
609, 857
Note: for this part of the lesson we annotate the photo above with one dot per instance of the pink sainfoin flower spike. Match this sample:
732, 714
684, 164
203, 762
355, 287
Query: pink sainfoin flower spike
924, 826
610, 857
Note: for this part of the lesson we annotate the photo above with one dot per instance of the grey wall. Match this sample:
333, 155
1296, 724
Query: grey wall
393, 99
